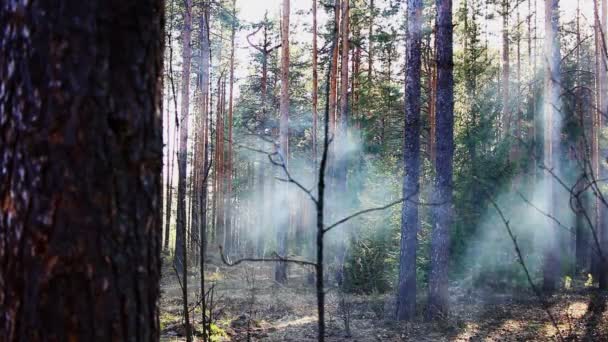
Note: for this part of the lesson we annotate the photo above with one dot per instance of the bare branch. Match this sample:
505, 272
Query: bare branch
276, 258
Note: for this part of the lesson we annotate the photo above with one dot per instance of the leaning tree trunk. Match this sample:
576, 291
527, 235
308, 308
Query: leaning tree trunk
406, 298
80, 170
442, 212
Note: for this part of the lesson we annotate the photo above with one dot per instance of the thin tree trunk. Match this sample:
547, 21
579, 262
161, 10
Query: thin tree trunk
406, 297
442, 213
280, 271
370, 48
204, 108
432, 104
333, 90
315, 86
180, 238
81, 201
506, 113
228, 173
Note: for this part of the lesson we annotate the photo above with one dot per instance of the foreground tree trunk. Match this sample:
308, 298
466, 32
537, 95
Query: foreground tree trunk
280, 271
442, 213
406, 297
80, 170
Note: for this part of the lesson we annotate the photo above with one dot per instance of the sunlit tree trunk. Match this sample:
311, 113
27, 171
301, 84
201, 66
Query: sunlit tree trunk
228, 174
442, 212
204, 108
552, 118
280, 271
80, 170
406, 297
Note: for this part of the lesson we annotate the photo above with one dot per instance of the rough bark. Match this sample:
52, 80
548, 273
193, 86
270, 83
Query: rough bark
406, 297
280, 271
442, 213
80, 170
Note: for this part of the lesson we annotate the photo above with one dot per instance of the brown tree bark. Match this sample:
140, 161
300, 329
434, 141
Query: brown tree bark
442, 213
80, 170
280, 271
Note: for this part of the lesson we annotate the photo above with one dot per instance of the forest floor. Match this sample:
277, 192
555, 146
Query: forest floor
250, 304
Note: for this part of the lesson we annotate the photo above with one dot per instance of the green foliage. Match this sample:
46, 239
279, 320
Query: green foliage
371, 265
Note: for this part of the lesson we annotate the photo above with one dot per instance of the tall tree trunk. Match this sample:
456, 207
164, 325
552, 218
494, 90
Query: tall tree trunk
170, 146
442, 213
596, 124
315, 86
182, 157
370, 48
551, 262
218, 190
228, 173
193, 204
169, 182
603, 172
280, 271
180, 261
582, 231
333, 88
406, 298
204, 110
506, 112
432, 103
80, 170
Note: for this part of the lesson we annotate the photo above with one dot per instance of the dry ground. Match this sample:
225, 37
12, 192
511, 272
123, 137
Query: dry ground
250, 303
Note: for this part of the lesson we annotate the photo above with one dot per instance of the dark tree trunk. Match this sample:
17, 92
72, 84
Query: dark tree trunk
442, 213
80, 170
406, 298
